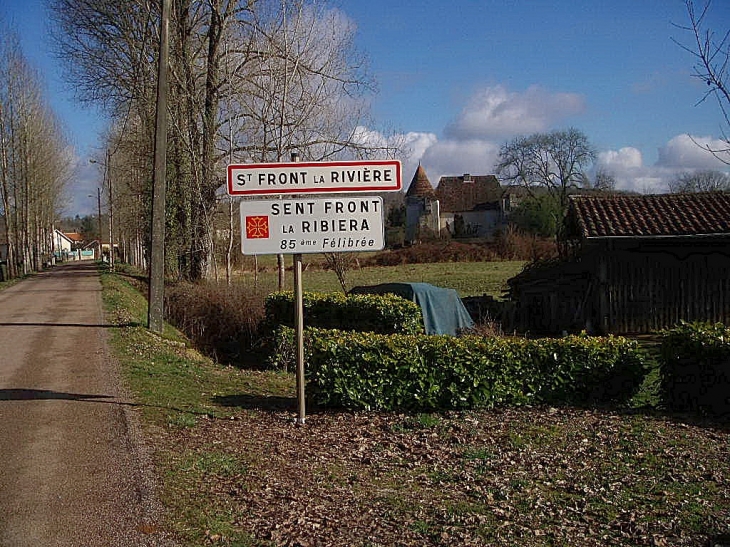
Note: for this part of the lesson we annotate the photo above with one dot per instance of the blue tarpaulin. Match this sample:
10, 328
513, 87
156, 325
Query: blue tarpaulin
442, 309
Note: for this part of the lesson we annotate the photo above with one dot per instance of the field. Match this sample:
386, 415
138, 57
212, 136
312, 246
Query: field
468, 278
236, 470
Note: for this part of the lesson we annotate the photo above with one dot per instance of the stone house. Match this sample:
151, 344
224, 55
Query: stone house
460, 206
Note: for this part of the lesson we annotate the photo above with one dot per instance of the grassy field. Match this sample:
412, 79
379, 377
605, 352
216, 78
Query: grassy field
468, 278
235, 470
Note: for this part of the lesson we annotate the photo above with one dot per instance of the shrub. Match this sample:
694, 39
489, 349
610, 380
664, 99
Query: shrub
508, 245
281, 349
424, 373
383, 314
223, 321
695, 368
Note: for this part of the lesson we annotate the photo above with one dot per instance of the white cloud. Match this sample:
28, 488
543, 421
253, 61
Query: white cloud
627, 167
413, 145
491, 116
494, 115
682, 153
690, 152
497, 113
623, 159
456, 157
416, 144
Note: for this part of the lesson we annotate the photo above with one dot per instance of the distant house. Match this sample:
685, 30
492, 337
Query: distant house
70, 245
62, 244
636, 264
470, 205
77, 240
460, 206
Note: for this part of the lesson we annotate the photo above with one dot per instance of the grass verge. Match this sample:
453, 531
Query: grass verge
236, 470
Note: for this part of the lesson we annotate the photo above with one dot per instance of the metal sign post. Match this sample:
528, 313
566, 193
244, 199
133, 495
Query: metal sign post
299, 324
299, 329
314, 225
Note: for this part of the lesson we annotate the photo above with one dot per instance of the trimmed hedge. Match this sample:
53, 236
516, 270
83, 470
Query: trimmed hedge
384, 314
419, 372
695, 368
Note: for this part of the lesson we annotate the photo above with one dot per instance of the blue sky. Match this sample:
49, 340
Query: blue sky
457, 79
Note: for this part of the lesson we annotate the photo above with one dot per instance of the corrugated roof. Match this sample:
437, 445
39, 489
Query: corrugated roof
420, 185
650, 215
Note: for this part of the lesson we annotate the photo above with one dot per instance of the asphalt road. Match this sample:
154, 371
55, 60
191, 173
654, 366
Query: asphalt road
73, 469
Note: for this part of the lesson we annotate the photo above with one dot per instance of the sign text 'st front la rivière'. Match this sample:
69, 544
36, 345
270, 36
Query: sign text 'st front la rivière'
314, 177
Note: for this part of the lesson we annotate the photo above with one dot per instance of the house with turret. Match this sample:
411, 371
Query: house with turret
464, 206
422, 208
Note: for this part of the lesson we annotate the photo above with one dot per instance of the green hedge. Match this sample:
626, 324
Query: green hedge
695, 368
384, 314
419, 372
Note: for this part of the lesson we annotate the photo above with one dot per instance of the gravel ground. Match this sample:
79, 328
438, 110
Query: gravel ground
73, 468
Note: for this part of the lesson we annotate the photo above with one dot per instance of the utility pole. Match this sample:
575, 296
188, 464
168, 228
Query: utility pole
98, 204
155, 318
108, 176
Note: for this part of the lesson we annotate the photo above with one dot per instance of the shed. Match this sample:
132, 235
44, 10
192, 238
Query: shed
636, 264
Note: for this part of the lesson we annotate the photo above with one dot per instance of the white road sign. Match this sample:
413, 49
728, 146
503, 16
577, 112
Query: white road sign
314, 177
317, 225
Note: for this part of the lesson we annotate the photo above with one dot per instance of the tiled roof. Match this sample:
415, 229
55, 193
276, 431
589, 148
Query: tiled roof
468, 192
74, 236
649, 215
420, 185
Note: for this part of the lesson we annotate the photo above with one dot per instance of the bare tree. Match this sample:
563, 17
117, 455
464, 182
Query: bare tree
554, 161
341, 264
35, 161
300, 87
128, 173
700, 181
711, 52
250, 80
603, 180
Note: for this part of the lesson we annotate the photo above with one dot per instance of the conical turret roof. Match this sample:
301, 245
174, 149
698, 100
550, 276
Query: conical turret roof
420, 185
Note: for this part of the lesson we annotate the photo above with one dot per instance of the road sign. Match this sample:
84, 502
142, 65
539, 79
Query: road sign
315, 177
317, 225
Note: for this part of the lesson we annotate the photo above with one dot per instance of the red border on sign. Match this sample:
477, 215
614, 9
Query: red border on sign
314, 190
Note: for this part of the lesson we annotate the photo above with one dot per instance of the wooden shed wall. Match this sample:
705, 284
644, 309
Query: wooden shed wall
651, 288
632, 287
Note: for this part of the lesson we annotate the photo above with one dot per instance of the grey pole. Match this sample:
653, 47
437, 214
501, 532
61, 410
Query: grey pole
155, 321
299, 323
108, 175
98, 205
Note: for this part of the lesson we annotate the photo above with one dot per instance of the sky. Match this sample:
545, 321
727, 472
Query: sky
456, 80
